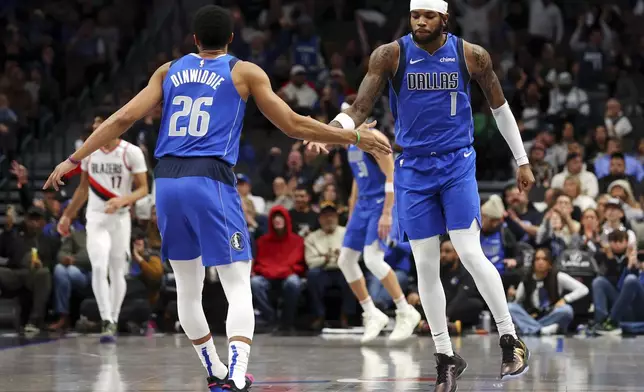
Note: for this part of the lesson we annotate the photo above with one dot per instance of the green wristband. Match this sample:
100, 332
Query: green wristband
357, 138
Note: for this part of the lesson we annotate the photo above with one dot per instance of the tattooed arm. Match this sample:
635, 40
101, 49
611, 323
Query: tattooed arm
382, 66
480, 66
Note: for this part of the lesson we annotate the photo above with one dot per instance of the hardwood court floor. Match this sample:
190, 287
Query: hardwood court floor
307, 364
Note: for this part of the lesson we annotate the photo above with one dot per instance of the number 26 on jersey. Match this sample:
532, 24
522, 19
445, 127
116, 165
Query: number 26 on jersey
198, 119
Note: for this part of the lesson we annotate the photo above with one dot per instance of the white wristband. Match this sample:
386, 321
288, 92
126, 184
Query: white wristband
389, 187
345, 120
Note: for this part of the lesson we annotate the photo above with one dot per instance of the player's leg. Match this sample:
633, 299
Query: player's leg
373, 319
461, 203
407, 318
421, 220
225, 244
118, 261
98, 248
181, 246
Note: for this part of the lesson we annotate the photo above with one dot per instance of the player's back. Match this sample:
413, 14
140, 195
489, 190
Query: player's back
430, 98
369, 178
202, 111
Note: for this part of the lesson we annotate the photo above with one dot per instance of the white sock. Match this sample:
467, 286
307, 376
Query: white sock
467, 244
401, 303
443, 343
210, 360
238, 353
368, 306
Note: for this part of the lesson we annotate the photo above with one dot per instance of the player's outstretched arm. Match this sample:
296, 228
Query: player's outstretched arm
382, 66
255, 80
481, 69
78, 200
115, 125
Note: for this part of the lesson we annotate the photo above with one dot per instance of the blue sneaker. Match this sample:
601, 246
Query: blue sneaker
108, 333
216, 384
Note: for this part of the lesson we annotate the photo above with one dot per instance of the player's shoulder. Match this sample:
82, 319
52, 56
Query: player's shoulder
385, 58
477, 58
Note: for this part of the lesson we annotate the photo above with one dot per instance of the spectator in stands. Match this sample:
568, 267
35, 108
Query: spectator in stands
8, 129
592, 62
558, 154
545, 25
575, 167
278, 266
555, 232
282, 196
522, 218
540, 306
588, 238
543, 171
567, 102
617, 124
572, 188
146, 266
153, 235
298, 93
305, 220
498, 242
257, 224
306, 48
618, 294
330, 194
598, 143
322, 248
614, 221
621, 190
72, 273
244, 190
633, 167
617, 171
30, 256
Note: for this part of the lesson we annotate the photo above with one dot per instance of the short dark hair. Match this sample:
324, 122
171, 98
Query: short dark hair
213, 26
303, 187
617, 155
618, 236
572, 156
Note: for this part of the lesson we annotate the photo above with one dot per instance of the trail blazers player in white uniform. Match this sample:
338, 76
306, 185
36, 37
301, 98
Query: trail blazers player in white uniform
106, 184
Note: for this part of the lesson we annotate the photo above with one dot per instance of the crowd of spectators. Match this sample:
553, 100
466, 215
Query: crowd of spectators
574, 92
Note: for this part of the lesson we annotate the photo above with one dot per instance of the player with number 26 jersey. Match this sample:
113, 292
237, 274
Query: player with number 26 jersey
202, 119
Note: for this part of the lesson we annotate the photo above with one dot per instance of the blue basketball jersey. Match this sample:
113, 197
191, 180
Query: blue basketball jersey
367, 174
430, 98
202, 111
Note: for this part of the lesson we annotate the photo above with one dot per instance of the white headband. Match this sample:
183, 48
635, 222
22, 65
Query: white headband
439, 6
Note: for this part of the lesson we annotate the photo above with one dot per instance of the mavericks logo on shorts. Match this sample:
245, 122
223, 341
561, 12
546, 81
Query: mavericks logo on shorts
237, 241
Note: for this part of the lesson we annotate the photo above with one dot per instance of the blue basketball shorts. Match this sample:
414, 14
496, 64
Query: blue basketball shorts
362, 229
436, 193
199, 212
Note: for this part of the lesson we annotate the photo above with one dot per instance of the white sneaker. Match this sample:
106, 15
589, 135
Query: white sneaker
374, 323
549, 329
406, 322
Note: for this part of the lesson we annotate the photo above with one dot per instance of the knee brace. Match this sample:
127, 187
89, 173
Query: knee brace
348, 264
374, 259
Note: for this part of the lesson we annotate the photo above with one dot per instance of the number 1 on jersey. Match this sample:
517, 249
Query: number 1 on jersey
453, 96
116, 182
198, 119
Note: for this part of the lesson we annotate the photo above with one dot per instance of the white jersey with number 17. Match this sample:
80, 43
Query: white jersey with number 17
111, 173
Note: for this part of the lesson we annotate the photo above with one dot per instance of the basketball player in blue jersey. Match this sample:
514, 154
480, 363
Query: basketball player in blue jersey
428, 74
371, 203
199, 211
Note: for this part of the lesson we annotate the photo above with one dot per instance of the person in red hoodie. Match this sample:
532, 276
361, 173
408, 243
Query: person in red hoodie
278, 268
